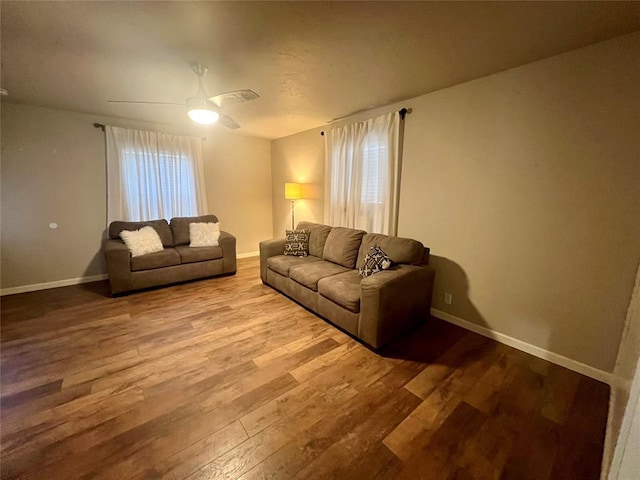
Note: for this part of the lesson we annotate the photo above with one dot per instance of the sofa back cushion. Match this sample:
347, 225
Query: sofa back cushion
342, 246
317, 236
160, 226
180, 227
400, 250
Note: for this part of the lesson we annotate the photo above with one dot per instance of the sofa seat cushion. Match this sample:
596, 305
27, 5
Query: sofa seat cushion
165, 258
309, 274
198, 254
342, 289
282, 263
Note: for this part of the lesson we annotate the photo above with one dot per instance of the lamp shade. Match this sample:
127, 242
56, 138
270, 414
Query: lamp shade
292, 191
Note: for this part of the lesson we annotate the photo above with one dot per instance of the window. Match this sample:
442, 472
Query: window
153, 175
374, 171
164, 188
362, 175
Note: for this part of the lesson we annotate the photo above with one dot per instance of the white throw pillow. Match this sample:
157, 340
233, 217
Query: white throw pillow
204, 234
143, 241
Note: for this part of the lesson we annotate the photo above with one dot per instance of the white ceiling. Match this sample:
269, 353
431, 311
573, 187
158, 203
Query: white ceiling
311, 62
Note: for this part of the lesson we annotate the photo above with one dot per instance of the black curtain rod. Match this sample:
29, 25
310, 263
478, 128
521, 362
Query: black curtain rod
101, 127
403, 113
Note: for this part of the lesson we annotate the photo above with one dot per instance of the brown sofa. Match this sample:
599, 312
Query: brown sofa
376, 309
178, 261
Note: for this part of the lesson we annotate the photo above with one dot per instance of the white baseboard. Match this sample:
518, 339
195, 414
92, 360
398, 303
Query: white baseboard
248, 254
566, 362
55, 284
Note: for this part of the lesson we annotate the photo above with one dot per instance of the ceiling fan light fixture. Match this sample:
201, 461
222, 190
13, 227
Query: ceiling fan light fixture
204, 117
201, 108
202, 111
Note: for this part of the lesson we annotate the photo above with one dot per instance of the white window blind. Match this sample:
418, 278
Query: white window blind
374, 171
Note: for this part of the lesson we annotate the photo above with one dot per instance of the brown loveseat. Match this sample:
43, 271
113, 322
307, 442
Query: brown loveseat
375, 309
178, 261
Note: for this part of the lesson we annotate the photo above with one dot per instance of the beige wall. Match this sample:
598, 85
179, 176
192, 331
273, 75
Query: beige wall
299, 159
525, 184
238, 178
53, 170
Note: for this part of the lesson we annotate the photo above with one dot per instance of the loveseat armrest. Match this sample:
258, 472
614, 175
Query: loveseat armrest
227, 243
118, 260
393, 301
269, 248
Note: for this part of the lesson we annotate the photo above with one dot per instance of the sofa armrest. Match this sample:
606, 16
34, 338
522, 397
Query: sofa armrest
118, 260
269, 248
393, 301
227, 243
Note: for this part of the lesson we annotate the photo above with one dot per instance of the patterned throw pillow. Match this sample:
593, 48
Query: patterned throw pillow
375, 261
296, 242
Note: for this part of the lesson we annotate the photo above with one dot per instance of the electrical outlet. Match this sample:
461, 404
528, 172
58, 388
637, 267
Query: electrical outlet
448, 298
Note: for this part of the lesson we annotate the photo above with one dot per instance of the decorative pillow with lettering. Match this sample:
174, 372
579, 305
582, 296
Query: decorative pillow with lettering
143, 241
296, 242
375, 261
204, 234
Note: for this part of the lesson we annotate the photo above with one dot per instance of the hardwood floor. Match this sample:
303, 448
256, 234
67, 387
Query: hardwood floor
226, 378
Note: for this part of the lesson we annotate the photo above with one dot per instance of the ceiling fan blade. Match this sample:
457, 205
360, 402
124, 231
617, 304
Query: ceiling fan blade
237, 96
228, 122
144, 103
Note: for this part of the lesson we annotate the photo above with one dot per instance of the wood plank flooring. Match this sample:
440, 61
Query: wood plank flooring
227, 379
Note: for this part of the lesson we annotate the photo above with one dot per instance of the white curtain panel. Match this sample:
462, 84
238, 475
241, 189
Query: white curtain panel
153, 175
362, 175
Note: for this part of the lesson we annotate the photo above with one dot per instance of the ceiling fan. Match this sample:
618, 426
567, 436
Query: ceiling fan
204, 109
